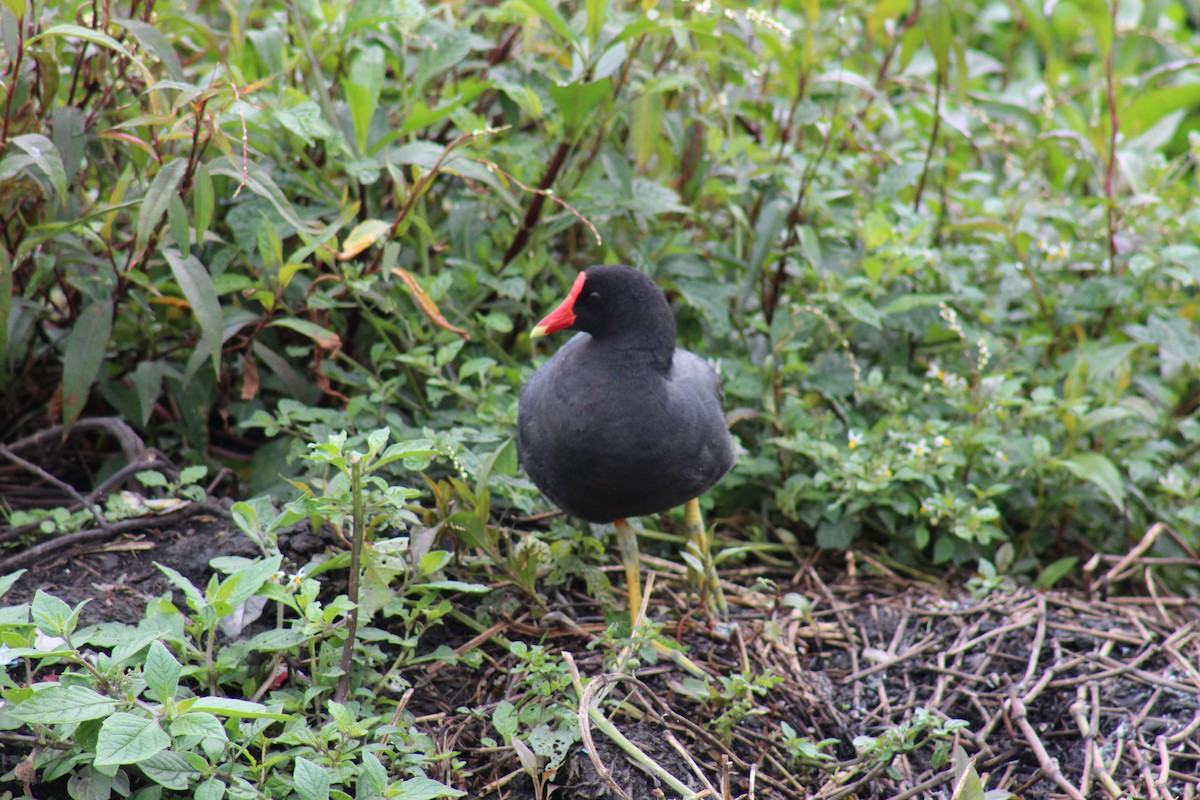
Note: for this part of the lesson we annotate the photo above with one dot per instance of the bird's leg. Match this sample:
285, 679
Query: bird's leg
702, 573
627, 541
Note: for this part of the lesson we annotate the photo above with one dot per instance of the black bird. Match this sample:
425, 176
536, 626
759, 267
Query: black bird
620, 422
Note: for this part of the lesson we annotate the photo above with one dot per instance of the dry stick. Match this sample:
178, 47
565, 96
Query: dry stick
1143, 675
1144, 772
699, 773
1170, 646
669, 715
1049, 765
100, 534
586, 694
1120, 637
928, 643
547, 193
131, 444
1039, 638
1128, 561
124, 472
535, 207
924, 786
1164, 763
29, 466
1186, 731
1085, 718
588, 711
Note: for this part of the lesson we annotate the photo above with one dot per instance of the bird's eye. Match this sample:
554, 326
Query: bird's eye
592, 297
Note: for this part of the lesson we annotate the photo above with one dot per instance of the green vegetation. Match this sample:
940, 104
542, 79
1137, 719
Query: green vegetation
944, 255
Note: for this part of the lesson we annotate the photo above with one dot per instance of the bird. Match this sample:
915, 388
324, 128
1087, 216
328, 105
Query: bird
621, 423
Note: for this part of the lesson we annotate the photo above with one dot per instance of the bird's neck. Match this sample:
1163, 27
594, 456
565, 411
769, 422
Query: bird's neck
656, 350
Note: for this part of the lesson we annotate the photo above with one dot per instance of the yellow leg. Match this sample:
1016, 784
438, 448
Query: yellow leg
627, 541
702, 573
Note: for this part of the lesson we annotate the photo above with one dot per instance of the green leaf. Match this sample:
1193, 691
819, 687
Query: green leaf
201, 293
192, 474
596, 11
211, 789
132, 643
967, 785
180, 231
837, 535
164, 187
206, 727
242, 585
551, 745
7, 581
256, 179
63, 705
310, 780
939, 35
1099, 470
373, 774
646, 127
161, 671
147, 381
45, 156
454, 586
50, 614
362, 86
447, 50
95, 37
766, 233
306, 122
577, 100
433, 561
87, 345
423, 789
229, 707
505, 720
548, 14
1100, 18
1056, 571
325, 338
128, 739
277, 639
364, 234
154, 42
203, 202
194, 597
169, 769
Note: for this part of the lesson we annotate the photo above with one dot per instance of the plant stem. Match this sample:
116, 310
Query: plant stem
355, 463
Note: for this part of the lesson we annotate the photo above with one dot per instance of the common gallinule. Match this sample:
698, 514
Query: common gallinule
620, 422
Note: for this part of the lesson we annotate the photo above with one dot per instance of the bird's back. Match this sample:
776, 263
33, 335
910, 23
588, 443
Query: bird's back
606, 440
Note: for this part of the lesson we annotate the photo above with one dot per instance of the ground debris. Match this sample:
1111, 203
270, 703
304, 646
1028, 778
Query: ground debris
1041, 694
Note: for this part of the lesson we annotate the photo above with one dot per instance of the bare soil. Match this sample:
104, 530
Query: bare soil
1063, 694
